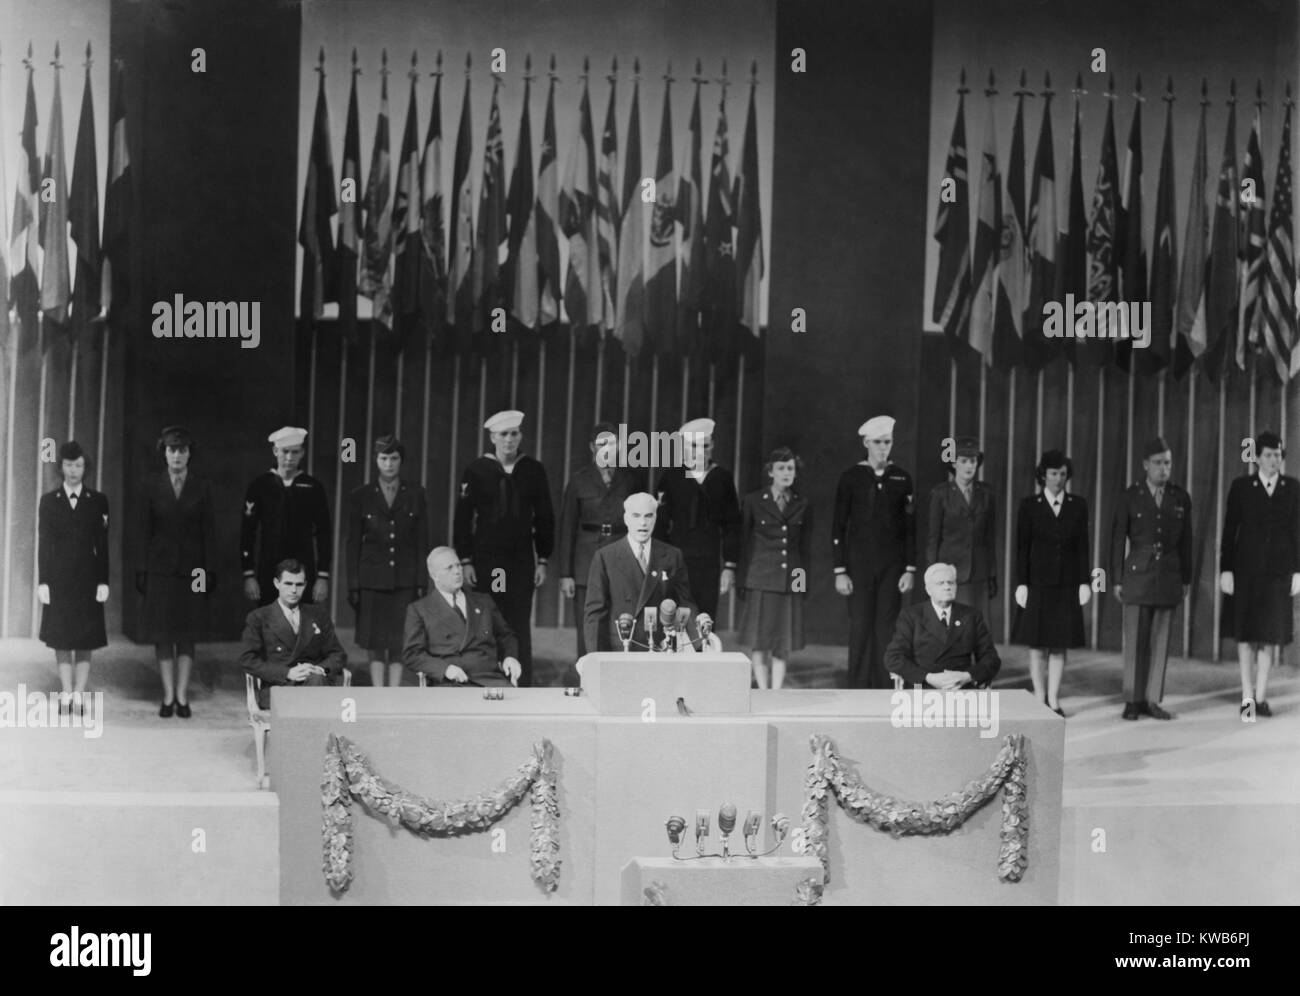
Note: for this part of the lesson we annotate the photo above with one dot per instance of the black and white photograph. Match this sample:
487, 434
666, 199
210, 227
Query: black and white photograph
651, 453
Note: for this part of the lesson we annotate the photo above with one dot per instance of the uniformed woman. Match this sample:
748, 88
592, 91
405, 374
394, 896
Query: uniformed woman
1259, 561
72, 573
962, 520
1052, 575
776, 549
388, 539
176, 538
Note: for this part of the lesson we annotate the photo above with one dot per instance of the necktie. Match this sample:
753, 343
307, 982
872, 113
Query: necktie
455, 604
72, 499
947, 619
177, 484
781, 501
293, 619
1160, 496
644, 557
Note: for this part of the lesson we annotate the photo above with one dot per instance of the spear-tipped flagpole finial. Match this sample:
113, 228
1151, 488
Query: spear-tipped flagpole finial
992, 89
437, 65
356, 68
1232, 91
1047, 90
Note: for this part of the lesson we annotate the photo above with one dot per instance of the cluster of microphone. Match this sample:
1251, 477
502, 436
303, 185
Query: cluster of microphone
669, 621
676, 827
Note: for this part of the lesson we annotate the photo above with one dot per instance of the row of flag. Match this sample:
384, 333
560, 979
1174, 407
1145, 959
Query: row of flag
47, 287
667, 274
1233, 293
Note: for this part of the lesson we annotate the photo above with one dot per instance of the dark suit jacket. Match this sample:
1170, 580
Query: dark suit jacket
387, 546
73, 555
617, 584
774, 544
1261, 535
436, 638
962, 534
1159, 545
923, 645
176, 534
271, 648
1052, 550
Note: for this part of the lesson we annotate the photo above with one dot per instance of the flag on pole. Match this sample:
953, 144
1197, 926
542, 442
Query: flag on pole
433, 235
55, 290
1072, 250
1041, 243
630, 289
1221, 278
319, 206
1191, 339
492, 237
6, 355
522, 268
1103, 258
408, 244
689, 218
1278, 302
1164, 259
749, 229
988, 241
349, 246
25, 252
661, 261
1128, 234
1012, 289
608, 215
376, 278
582, 294
547, 213
115, 281
84, 216
1250, 245
460, 289
719, 316
952, 290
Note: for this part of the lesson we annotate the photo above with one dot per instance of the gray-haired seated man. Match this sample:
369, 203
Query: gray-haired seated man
940, 643
458, 637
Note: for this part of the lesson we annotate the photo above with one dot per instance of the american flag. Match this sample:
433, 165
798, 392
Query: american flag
1277, 313
1250, 245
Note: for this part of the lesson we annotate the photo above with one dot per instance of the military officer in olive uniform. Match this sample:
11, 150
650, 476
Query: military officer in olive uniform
591, 516
505, 529
286, 516
1153, 519
873, 535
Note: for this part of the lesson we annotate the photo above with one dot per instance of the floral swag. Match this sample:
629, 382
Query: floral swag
828, 774
348, 774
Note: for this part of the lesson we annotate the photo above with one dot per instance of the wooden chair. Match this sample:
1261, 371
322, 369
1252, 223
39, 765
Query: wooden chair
260, 721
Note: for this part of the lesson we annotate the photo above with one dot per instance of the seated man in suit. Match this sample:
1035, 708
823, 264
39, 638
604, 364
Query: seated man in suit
939, 642
631, 574
289, 642
458, 637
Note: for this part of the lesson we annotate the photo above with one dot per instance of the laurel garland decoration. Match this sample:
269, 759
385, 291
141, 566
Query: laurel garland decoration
348, 775
827, 774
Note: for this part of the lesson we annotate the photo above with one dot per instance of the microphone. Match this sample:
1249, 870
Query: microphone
675, 826
626, 623
703, 626
651, 617
701, 829
750, 830
726, 819
780, 827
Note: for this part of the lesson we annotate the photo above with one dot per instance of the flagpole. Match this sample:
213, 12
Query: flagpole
9, 474
627, 386
984, 386
311, 398
1069, 408
1128, 421
1096, 510
514, 376
455, 439
1191, 462
568, 447
424, 416
713, 385
600, 369
338, 476
40, 436
1160, 405
1006, 507
686, 385
397, 407
740, 423
72, 394
370, 401
1218, 515
103, 395
1038, 416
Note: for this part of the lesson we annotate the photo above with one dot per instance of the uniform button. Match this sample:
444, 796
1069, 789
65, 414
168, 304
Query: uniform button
783, 563
391, 563
784, 528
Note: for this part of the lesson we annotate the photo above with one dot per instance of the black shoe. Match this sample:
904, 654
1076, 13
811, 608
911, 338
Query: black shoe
1143, 709
183, 710
1155, 712
1262, 709
165, 710
1131, 710
1058, 710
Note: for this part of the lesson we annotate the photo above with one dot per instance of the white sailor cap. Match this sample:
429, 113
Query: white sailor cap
640, 502
876, 428
288, 436
699, 428
502, 421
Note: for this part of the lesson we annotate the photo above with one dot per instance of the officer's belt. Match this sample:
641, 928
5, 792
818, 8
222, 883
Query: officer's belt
605, 529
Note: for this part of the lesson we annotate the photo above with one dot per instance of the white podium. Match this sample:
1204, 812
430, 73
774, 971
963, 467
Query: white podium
636, 683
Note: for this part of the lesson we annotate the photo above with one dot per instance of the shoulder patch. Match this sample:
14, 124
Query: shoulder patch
464, 489
249, 507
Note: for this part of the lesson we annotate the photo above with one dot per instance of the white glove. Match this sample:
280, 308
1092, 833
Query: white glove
1295, 585
1085, 593
1226, 582
101, 593
43, 593
1022, 594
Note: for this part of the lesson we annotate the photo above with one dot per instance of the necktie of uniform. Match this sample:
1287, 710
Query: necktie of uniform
177, 484
947, 619
72, 500
1160, 496
781, 501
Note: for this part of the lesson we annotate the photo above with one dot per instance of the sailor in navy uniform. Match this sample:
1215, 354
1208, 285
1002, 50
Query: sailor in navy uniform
505, 529
873, 535
286, 516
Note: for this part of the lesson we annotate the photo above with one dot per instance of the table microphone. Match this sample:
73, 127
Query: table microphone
626, 623
667, 615
651, 617
726, 824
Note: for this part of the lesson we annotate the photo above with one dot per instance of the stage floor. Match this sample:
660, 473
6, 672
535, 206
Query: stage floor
1205, 758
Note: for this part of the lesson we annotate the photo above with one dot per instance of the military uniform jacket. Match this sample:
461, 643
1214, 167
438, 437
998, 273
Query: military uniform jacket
962, 533
283, 521
1050, 549
503, 515
701, 520
176, 534
1261, 535
591, 516
73, 558
436, 637
875, 520
775, 543
1159, 541
387, 546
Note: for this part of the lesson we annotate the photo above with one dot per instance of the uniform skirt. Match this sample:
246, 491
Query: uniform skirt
73, 620
172, 612
772, 621
381, 619
1052, 618
1259, 610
